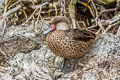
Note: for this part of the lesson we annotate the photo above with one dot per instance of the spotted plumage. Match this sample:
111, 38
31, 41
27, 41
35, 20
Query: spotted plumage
70, 44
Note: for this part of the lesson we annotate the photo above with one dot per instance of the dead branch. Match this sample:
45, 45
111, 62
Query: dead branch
14, 4
107, 10
11, 11
40, 6
72, 14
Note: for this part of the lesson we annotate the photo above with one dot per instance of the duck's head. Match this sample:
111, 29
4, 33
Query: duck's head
58, 23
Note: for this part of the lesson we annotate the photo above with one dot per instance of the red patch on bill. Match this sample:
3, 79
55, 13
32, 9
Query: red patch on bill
53, 27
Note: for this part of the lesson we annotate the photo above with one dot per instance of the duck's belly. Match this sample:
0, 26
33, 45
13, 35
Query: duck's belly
63, 46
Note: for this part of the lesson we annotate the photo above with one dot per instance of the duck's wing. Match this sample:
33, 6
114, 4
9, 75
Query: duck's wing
82, 35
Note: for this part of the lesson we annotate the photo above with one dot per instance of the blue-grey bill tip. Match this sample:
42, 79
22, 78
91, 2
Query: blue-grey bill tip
46, 32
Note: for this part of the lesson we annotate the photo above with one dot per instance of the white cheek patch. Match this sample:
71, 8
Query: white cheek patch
62, 26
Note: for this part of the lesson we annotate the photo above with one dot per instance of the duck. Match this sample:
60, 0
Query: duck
66, 42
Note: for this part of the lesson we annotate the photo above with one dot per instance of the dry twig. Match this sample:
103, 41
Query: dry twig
40, 6
2, 52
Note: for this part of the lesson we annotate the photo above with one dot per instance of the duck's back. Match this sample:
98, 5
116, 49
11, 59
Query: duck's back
69, 44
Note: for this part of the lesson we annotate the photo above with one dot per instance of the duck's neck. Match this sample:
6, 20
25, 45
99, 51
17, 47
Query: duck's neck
62, 26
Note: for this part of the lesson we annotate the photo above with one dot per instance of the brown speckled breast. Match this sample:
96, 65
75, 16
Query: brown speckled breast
68, 44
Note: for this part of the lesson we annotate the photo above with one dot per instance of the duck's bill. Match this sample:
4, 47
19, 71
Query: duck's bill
47, 31
52, 27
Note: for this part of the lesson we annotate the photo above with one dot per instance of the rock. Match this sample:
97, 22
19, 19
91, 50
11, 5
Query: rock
29, 66
20, 39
